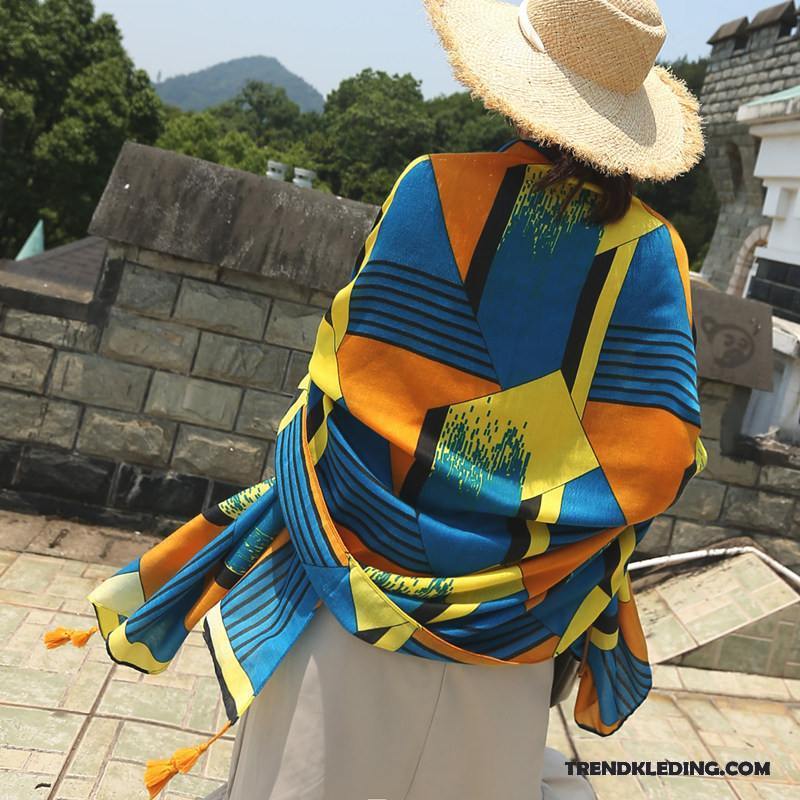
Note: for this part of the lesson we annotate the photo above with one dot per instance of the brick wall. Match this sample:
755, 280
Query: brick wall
754, 494
173, 401
169, 396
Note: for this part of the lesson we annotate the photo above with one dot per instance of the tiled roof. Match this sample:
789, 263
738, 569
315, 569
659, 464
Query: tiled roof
70, 271
730, 29
773, 14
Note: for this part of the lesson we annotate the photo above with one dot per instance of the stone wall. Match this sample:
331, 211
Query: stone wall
169, 399
747, 491
174, 401
745, 63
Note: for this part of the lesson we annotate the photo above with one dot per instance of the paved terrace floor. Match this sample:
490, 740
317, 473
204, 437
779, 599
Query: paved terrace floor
73, 728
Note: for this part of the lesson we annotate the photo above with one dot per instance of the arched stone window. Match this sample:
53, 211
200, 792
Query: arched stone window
745, 259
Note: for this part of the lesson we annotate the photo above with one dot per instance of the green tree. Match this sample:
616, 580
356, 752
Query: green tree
202, 134
265, 113
70, 97
462, 124
372, 126
690, 202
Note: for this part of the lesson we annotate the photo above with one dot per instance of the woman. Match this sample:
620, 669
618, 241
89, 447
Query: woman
497, 406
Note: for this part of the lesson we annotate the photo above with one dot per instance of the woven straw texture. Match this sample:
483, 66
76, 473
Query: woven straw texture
594, 90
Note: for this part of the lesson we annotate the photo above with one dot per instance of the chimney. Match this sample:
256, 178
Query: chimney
304, 178
277, 170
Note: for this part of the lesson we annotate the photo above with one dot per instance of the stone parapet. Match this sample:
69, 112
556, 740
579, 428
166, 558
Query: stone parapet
163, 392
169, 398
194, 217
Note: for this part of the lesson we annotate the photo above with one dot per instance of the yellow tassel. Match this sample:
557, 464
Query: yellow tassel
62, 636
159, 773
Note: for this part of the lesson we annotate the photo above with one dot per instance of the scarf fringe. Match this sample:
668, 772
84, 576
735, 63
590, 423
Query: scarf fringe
61, 636
160, 772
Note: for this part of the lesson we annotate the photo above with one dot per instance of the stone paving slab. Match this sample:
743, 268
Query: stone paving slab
690, 610
700, 724
73, 727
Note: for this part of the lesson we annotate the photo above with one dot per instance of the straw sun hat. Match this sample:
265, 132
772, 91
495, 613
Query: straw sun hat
580, 74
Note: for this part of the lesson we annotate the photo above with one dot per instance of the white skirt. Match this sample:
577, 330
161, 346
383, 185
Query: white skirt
343, 720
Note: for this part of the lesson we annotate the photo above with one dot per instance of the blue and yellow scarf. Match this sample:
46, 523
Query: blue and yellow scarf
497, 406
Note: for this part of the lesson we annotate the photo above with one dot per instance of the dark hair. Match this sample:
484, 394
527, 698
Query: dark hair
616, 190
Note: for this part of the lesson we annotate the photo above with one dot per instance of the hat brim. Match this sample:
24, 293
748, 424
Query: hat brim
653, 134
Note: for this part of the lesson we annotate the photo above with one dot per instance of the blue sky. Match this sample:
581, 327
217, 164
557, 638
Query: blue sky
324, 41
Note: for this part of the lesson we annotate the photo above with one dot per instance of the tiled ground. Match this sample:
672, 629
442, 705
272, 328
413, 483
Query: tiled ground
695, 608
698, 715
70, 729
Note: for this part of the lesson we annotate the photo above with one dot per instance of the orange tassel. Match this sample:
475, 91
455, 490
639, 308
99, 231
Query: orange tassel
159, 773
62, 636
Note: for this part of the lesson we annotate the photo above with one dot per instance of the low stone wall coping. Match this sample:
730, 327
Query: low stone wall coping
204, 212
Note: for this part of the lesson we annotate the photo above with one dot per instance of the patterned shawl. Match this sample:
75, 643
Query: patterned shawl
497, 406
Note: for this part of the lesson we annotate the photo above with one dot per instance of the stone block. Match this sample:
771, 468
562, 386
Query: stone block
688, 536
711, 388
24, 366
239, 361
321, 300
780, 479
223, 491
146, 701
154, 343
180, 266
38, 419
33, 728
216, 455
147, 291
219, 308
281, 288
124, 437
785, 549
193, 400
744, 654
70, 540
122, 551
293, 325
53, 472
261, 414
17, 533
656, 540
269, 468
205, 212
705, 657
9, 455
298, 369
749, 508
729, 470
66, 334
99, 381
701, 500
155, 492
713, 410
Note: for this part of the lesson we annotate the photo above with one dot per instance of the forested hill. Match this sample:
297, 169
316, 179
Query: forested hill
214, 85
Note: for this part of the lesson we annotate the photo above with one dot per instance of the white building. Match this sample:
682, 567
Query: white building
774, 275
